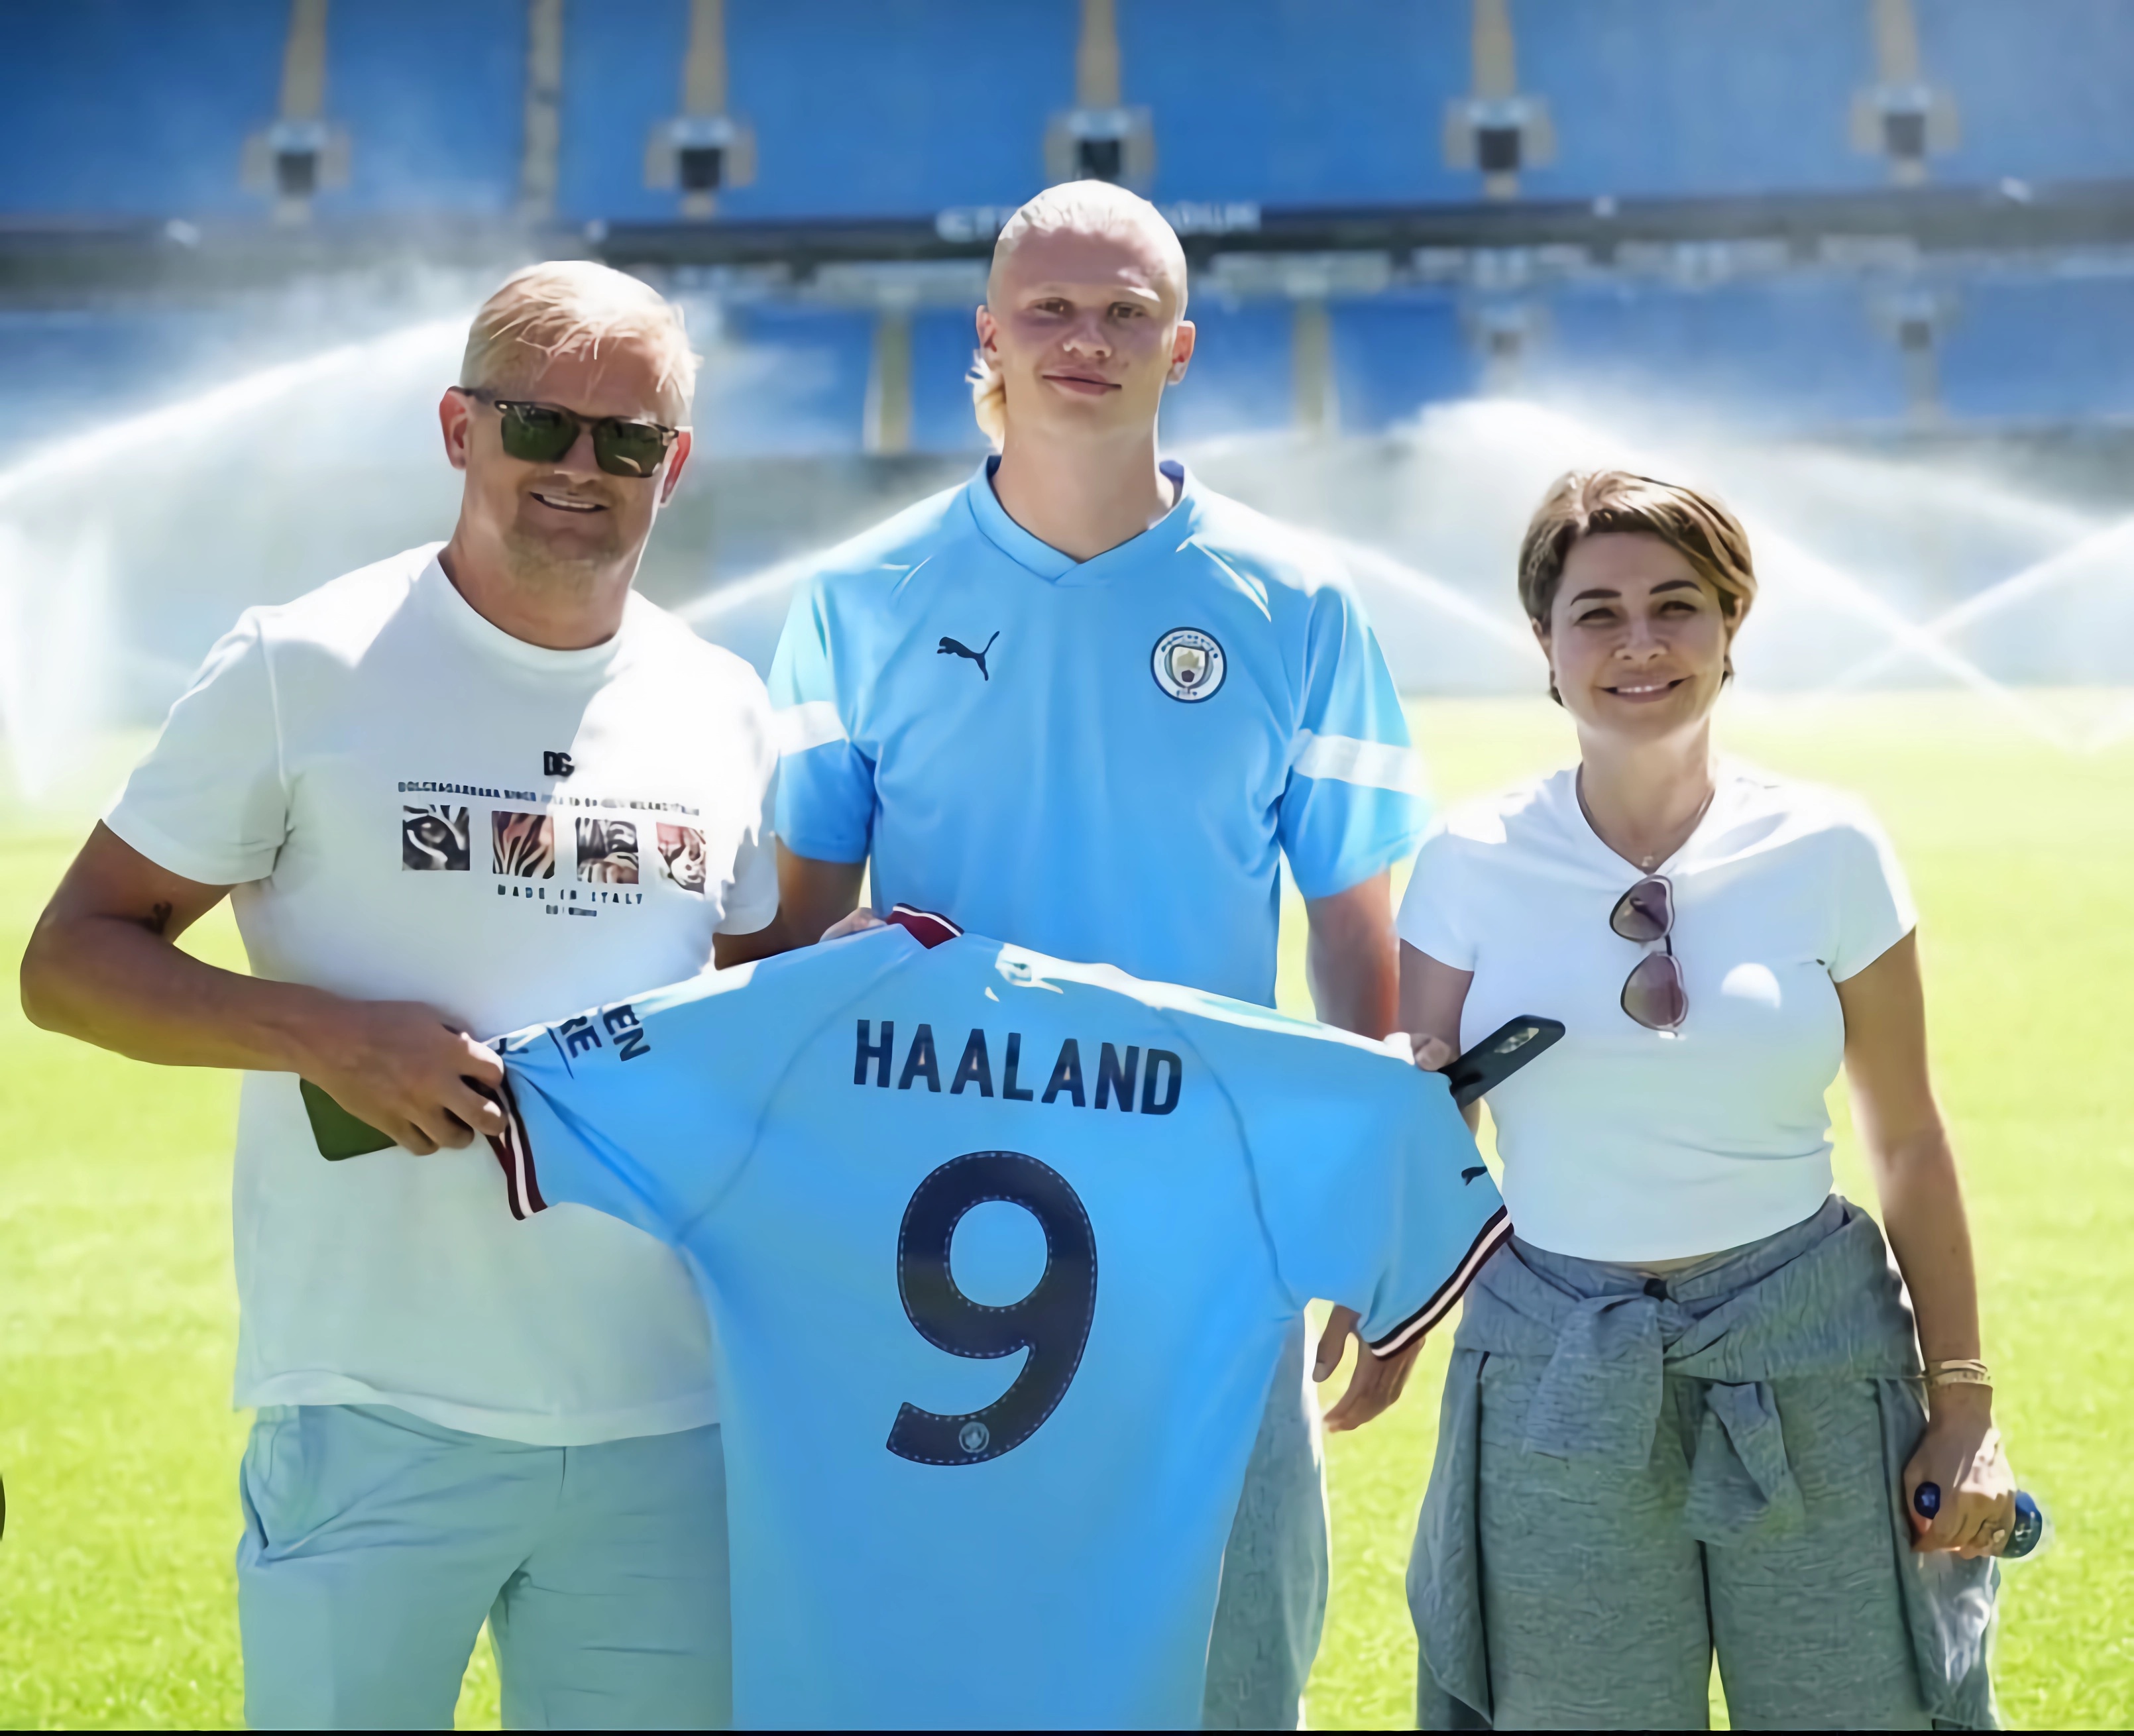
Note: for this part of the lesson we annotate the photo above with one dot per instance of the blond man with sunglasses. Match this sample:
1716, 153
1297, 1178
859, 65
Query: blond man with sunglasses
454, 792
1688, 1413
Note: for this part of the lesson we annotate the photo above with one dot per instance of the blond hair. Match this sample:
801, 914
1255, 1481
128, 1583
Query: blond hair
568, 305
1085, 207
1584, 503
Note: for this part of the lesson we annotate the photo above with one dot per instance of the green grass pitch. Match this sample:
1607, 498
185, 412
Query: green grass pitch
118, 1322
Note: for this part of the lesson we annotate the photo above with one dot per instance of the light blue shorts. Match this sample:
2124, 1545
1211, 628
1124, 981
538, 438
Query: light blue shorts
376, 1544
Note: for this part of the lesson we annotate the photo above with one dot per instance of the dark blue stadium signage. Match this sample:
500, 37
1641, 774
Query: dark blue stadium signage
974, 223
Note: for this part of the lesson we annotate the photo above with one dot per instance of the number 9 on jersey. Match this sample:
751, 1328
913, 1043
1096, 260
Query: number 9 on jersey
1052, 1322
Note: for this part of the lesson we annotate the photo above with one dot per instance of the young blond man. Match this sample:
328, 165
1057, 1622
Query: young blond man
475, 783
1085, 704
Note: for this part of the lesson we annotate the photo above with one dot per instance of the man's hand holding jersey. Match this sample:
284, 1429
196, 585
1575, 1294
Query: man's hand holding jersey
104, 965
400, 1066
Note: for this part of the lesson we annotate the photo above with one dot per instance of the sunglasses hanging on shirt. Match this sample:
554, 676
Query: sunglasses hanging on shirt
1654, 994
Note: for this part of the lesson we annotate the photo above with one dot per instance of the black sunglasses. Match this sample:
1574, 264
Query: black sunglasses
1653, 995
542, 433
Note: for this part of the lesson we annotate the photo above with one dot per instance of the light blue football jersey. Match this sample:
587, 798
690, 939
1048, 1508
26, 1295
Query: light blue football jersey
1105, 759
1001, 1253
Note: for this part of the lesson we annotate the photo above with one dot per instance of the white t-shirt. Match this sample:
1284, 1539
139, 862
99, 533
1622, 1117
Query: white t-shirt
1628, 1144
413, 805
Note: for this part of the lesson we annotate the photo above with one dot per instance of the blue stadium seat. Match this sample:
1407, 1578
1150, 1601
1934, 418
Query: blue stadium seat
861, 108
1394, 354
622, 72
1242, 380
1790, 354
2048, 350
433, 97
132, 108
1677, 97
1297, 102
942, 343
2041, 90
784, 381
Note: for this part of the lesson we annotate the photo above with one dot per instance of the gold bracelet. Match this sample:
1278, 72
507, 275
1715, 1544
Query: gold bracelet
1959, 1372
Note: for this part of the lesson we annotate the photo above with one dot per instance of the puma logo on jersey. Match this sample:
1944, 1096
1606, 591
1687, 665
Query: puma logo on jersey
1469, 1176
956, 648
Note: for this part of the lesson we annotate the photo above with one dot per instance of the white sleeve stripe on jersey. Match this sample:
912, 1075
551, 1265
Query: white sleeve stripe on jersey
1493, 1233
1350, 759
814, 723
515, 1156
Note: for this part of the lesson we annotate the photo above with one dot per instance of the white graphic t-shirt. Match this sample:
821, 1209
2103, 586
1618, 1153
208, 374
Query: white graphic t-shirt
413, 805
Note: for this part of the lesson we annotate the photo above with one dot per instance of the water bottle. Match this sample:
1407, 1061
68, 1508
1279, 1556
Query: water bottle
2029, 1535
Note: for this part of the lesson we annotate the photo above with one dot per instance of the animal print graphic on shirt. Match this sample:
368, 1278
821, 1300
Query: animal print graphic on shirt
434, 839
607, 852
525, 844
682, 856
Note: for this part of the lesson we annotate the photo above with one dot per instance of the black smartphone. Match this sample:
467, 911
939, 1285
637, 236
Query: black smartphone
341, 1135
338, 1134
1500, 1055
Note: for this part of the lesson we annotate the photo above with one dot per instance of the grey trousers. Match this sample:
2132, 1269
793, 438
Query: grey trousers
1642, 1474
1273, 1601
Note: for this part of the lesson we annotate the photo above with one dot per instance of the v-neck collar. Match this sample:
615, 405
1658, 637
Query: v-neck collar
1042, 559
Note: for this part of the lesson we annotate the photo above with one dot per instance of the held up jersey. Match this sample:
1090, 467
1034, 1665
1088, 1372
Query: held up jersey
1001, 1253
1107, 758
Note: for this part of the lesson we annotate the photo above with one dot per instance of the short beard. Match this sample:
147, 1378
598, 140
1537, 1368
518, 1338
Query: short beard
536, 562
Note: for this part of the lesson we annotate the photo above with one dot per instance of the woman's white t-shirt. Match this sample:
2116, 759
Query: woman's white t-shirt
1627, 1144
413, 805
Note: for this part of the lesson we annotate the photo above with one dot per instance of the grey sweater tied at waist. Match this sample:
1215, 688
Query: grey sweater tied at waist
1820, 1300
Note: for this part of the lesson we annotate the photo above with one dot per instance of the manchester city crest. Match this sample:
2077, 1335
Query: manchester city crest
1187, 663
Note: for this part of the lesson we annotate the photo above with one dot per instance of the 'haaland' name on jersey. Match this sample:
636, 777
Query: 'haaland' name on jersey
1162, 1073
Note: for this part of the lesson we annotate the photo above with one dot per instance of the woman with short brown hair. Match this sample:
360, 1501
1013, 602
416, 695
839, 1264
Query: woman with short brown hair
1687, 1411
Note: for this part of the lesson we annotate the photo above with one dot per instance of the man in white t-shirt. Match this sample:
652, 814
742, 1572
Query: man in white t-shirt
463, 789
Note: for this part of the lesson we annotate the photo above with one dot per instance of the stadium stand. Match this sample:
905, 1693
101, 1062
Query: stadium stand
1826, 213
2041, 350
115, 109
857, 107
2039, 90
1780, 356
1333, 103
942, 345
786, 380
1729, 96
1394, 354
445, 139
1241, 381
